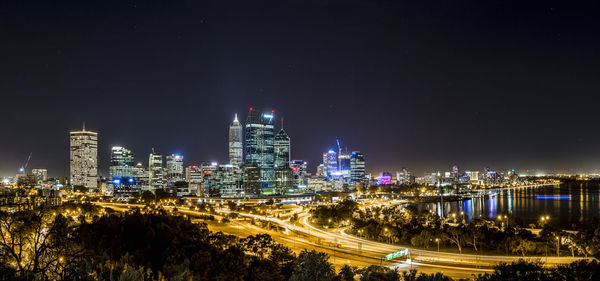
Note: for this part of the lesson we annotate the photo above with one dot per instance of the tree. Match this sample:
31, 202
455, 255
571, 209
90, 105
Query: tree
520, 270
475, 232
312, 266
161, 194
433, 277
80, 188
147, 196
455, 235
578, 270
347, 273
379, 273
35, 244
523, 246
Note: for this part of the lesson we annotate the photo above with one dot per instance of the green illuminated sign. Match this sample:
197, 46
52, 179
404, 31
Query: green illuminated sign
396, 255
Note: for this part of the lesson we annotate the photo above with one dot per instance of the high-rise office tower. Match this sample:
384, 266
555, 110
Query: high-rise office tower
193, 176
121, 166
283, 174
324, 166
260, 146
282, 149
174, 168
455, 173
332, 163
344, 165
84, 158
235, 143
155, 171
140, 176
357, 167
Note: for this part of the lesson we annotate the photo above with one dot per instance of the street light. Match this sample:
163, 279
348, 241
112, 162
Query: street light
557, 246
438, 243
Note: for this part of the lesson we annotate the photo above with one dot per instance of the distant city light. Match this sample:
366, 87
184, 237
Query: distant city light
554, 197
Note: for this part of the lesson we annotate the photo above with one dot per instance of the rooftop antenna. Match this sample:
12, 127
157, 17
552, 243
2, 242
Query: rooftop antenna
282, 123
337, 141
83, 126
235, 118
153, 150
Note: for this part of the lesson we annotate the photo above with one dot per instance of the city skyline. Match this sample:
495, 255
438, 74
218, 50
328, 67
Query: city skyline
410, 85
104, 159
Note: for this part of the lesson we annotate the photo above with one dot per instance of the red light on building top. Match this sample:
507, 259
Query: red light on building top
273, 111
251, 108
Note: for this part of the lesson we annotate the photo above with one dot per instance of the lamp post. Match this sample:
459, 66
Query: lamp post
438, 243
557, 246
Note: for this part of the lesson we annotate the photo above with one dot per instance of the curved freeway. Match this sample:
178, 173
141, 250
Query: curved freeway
344, 248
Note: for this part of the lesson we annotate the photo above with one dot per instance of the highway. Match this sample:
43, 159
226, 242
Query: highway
347, 249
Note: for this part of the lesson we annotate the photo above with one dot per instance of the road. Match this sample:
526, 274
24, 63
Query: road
347, 249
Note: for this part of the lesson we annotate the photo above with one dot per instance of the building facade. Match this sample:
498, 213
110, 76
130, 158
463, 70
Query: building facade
357, 167
260, 141
41, 175
121, 168
84, 158
174, 169
155, 172
331, 163
235, 143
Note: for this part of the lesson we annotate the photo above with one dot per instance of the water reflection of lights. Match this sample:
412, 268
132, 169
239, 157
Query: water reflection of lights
553, 197
492, 207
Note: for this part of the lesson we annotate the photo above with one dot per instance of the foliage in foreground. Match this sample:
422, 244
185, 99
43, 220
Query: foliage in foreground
46, 245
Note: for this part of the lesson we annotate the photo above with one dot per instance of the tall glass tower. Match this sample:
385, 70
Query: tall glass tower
155, 171
283, 173
121, 167
332, 163
357, 167
235, 143
260, 141
282, 149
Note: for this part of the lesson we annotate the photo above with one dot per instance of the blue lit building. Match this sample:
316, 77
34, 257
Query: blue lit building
357, 167
260, 141
331, 163
121, 169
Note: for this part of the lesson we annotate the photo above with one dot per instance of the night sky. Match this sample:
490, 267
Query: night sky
417, 84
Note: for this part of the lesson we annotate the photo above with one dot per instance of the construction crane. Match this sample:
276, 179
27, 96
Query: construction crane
22, 170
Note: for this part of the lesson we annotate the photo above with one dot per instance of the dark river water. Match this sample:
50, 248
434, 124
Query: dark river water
567, 205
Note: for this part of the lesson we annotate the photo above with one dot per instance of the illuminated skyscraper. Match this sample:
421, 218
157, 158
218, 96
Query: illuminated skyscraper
323, 166
155, 171
121, 167
283, 173
84, 158
344, 165
260, 146
235, 143
282, 149
174, 169
332, 163
357, 167
140, 175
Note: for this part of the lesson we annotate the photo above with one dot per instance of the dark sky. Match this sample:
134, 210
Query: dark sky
416, 84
